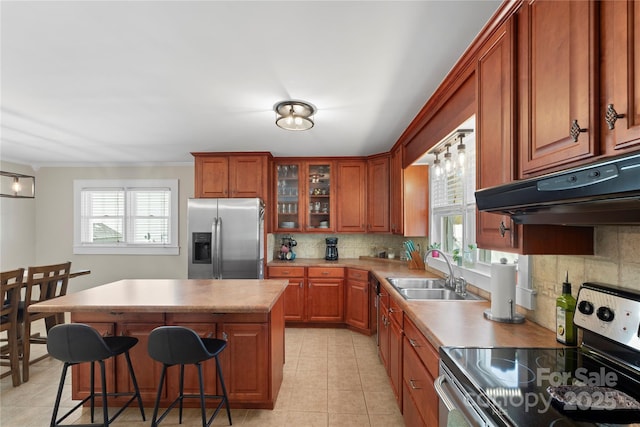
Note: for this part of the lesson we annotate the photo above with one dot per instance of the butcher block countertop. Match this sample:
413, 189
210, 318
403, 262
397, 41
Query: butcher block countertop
171, 296
444, 323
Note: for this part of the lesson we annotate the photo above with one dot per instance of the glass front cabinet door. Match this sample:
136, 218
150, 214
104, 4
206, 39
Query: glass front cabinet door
289, 201
320, 196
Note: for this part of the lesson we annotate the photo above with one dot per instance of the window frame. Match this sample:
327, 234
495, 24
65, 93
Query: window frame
124, 248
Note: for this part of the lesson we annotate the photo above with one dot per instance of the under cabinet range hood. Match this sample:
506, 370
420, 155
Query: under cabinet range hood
606, 192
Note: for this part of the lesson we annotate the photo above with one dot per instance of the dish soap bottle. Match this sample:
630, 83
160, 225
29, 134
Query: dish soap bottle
566, 332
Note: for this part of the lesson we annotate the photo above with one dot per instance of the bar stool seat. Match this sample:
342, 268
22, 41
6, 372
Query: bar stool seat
178, 345
76, 343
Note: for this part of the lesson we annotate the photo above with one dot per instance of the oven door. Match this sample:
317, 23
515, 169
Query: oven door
457, 404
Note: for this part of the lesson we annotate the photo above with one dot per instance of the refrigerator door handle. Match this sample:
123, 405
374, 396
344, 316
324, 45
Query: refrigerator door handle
218, 273
214, 248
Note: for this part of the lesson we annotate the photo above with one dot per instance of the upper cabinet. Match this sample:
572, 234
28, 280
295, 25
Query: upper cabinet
396, 192
229, 175
289, 195
557, 63
351, 196
495, 133
378, 194
619, 112
409, 197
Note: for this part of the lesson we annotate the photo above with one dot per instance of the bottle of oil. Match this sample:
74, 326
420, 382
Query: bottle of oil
566, 332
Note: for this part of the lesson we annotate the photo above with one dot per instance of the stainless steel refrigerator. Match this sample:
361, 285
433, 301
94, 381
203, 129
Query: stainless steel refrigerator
226, 238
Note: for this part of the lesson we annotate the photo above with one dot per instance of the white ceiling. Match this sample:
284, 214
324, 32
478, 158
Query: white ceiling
130, 82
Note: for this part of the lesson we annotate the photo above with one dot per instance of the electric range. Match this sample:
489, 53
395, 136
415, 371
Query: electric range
496, 386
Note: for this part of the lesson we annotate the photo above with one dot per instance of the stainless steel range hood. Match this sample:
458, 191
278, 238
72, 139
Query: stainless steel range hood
606, 192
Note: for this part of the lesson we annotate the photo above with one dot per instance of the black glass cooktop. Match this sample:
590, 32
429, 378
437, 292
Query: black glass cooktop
510, 384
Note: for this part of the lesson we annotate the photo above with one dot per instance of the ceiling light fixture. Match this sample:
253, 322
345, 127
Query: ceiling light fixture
294, 115
437, 168
17, 185
461, 151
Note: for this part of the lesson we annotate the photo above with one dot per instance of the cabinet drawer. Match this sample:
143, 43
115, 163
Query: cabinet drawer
326, 272
355, 274
423, 348
286, 271
419, 384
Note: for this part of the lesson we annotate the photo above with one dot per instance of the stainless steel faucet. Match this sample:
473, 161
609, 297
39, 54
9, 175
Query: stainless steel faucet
457, 284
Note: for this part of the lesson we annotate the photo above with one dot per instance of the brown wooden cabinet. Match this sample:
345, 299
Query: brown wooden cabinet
378, 194
245, 361
396, 319
325, 294
289, 194
558, 90
357, 299
294, 295
351, 195
396, 192
496, 158
231, 175
420, 368
409, 197
619, 76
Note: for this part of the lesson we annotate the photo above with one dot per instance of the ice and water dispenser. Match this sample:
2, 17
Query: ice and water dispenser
201, 248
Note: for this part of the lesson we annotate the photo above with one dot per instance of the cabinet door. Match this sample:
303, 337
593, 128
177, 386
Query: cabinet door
212, 176
357, 311
378, 195
245, 361
191, 383
620, 45
147, 370
320, 192
395, 353
81, 373
325, 300
294, 300
383, 329
419, 386
495, 138
396, 192
559, 89
247, 175
290, 200
351, 196
416, 200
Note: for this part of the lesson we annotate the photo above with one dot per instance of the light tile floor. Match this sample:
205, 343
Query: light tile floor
332, 377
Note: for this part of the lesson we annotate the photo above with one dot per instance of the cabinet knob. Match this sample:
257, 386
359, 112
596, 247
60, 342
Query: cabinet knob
503, 228
413, 385
611, 115
576, 130
413, 343
225, 336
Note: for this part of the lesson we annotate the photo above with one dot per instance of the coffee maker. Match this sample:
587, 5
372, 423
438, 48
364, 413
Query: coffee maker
331, 253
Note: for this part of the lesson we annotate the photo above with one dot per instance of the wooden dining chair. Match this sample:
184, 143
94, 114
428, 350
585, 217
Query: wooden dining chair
10, 285
43, 283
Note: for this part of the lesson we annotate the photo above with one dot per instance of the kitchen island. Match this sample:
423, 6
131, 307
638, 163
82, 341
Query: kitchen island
247, 313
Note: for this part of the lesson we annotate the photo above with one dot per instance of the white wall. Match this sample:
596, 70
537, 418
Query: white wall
17, 225
54, 225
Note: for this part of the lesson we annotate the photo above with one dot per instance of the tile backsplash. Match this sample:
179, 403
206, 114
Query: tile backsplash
616, 262
349, 245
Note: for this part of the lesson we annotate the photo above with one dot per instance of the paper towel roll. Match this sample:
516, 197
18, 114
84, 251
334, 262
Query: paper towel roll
503, 289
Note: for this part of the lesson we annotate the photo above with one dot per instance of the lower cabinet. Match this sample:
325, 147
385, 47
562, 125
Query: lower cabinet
390, 342
252, 362
357, 307
419, 370
320, 301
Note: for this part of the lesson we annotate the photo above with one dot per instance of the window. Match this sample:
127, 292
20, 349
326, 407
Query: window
453, 217
126, 217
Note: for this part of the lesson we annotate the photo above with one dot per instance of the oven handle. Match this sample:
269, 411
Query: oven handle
442, 394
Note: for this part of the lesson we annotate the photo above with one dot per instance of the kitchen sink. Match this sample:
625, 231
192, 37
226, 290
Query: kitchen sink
416, 283
428, 288
436, 294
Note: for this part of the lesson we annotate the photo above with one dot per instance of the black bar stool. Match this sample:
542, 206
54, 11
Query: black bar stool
79, 343
177, 345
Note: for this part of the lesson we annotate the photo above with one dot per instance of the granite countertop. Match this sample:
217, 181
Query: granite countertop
444, 323
171, 296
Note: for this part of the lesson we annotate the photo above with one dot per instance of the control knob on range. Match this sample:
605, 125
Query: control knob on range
605, 314
585, 307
